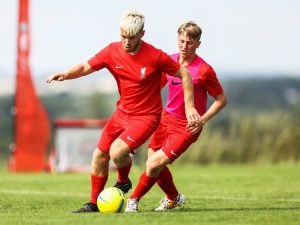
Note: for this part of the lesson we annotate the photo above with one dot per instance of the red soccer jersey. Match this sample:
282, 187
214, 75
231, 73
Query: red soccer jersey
138, 76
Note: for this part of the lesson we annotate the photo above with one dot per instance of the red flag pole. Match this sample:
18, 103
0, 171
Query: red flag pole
31, 123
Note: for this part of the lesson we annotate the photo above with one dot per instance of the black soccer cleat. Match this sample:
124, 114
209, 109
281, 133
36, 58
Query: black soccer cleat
87, 208
125, 187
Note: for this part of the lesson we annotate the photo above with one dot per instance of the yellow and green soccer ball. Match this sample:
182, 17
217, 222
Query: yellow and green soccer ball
111, 200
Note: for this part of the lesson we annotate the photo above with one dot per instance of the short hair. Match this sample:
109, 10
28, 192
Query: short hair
191, 29
132, 22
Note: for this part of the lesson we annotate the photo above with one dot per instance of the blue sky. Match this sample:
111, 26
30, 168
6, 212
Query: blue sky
257, 36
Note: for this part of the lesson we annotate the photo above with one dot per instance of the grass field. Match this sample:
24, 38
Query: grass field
215, 195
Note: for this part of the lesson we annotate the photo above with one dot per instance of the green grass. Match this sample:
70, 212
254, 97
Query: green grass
215, 195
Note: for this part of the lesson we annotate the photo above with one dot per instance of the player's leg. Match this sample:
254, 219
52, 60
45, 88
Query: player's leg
100, 163
174, 147
99, 176
173, 198
119, 153
158, 139
177, 142
156, 142
99, 173
154, 165
165, 180
130, 139
166, 183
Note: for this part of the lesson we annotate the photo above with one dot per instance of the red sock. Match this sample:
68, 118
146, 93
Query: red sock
98, 183
123, 173
166, 183
144, 185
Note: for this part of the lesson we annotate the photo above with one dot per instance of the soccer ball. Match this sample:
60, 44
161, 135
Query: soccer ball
111, 200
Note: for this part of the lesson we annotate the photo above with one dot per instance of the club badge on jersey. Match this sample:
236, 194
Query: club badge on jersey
143, 73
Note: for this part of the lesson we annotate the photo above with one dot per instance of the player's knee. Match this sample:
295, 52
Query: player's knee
116, 154
118, 151
100, 156
153, 167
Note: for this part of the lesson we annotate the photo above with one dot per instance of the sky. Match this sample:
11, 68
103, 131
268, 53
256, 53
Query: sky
239, 36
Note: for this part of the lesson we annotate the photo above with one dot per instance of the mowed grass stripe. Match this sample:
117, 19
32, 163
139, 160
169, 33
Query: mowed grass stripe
232, 198
216, 195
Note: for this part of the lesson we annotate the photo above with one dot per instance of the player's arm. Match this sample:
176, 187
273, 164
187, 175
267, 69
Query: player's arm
74, 72
187, 83
218, 104
215, 89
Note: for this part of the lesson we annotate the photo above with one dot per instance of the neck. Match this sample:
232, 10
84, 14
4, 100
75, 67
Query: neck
136, 48
186, 61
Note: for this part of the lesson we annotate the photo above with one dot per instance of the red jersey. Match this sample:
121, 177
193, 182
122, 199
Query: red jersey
138, 76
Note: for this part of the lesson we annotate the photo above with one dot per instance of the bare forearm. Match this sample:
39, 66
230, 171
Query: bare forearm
191, 113
217, 106
187, 85
76, 71
188, 90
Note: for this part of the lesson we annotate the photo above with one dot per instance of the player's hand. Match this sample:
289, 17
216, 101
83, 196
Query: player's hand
192, 115
196, 128
195, 122
57, 76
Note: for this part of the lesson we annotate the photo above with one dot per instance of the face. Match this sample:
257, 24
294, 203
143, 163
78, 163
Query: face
130, 44
187, 46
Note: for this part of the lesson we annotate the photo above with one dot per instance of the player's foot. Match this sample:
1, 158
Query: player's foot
125, 187
87, 208
132, 205
167, 204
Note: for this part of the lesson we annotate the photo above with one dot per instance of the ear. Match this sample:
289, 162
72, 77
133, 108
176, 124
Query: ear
142, 33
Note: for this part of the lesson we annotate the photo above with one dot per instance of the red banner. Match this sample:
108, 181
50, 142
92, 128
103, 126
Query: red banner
32, 127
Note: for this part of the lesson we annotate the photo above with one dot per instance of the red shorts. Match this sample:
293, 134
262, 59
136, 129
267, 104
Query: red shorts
171, 136
132, 129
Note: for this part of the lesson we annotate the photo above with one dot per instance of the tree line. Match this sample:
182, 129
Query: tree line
260, 124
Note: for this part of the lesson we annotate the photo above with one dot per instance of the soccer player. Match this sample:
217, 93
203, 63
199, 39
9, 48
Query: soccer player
137, 67
174, 134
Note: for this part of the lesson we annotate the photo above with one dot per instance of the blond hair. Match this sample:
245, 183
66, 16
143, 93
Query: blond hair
191, 29
132, 23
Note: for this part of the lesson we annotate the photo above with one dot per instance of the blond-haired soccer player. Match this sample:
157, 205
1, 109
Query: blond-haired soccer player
137, 67
174, 134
